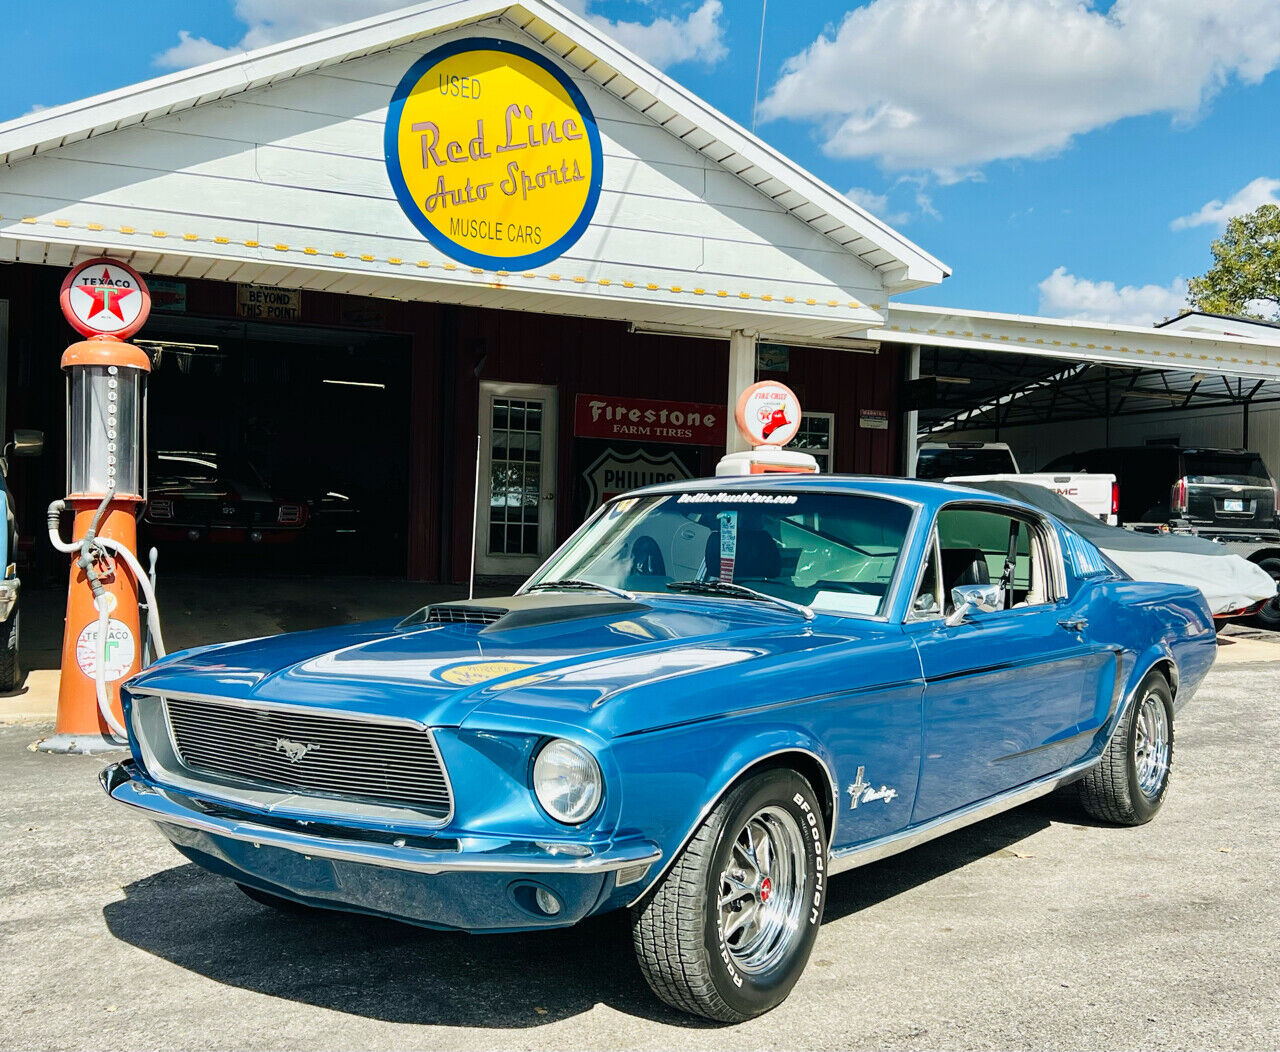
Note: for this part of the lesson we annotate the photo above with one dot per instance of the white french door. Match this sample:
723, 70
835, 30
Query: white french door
515, 527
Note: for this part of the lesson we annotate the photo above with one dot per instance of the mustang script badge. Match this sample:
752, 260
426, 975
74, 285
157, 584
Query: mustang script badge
295, 751
861, 792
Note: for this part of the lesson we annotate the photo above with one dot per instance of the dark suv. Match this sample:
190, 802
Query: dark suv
1227, 491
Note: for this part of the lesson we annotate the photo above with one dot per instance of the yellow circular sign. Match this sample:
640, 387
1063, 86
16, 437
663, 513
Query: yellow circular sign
481, 671
493, 153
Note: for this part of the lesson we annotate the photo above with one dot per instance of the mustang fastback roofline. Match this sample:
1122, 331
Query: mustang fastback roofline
126, 784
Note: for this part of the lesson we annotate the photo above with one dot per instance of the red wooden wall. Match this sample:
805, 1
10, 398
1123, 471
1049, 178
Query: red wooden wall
454, 349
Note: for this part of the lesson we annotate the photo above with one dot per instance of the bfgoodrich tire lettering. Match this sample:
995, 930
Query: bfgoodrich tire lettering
1130, 782
687, 935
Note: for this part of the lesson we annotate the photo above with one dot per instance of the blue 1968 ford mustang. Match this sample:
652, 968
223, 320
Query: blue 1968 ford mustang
714, 697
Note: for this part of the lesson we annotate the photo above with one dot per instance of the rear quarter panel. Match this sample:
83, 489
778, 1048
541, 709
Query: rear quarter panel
1148, 622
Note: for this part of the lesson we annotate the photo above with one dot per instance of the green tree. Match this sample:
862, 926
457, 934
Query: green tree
1246, 268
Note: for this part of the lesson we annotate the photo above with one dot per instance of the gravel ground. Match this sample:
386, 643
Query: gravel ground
1037, 929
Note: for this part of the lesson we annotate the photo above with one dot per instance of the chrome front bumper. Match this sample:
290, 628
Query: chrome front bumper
126, 784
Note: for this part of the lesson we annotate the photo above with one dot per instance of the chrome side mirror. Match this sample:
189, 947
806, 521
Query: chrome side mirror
27, 443
968, 598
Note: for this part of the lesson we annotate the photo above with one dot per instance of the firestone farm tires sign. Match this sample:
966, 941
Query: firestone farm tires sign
494, 154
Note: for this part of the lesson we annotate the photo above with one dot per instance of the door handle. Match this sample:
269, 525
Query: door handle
1074, 624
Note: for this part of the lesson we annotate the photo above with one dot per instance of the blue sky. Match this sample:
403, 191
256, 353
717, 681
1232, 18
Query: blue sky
1062, 157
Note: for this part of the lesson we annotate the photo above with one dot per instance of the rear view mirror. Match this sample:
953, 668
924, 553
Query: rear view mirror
979, 598
27, 443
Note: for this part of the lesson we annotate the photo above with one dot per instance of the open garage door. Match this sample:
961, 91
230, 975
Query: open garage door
277, 448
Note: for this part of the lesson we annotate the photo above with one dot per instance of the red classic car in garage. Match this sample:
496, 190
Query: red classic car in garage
202, 497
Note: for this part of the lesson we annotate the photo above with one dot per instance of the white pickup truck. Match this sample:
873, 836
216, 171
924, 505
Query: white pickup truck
962, 462
1099, 495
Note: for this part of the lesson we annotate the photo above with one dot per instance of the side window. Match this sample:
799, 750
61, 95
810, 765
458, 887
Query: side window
984, 547
928, 601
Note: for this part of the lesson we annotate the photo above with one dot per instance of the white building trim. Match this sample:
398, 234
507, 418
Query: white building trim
1135, 346
901, 264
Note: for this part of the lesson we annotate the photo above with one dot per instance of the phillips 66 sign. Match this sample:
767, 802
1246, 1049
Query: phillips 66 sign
493, 153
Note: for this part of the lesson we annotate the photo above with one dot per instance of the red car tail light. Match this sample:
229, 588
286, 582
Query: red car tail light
1115, 498
291, 514
1179, 501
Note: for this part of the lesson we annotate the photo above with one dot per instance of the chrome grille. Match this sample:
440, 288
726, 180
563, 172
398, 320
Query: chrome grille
306, 753
471, 615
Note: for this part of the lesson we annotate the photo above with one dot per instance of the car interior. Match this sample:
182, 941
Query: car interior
836, 557
983, 547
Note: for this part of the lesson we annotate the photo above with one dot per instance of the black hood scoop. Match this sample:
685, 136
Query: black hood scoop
525, 611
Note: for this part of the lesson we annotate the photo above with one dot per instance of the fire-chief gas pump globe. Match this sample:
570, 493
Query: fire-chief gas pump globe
768, 417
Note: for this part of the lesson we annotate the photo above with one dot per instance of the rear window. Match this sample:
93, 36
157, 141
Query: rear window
1209, 465
942, 463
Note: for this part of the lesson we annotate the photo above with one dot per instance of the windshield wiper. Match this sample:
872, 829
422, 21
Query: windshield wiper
742, 591
571, 583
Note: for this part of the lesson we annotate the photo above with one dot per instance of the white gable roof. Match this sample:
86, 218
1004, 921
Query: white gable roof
901, 264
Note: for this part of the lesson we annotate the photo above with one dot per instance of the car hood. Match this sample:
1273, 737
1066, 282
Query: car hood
563, 654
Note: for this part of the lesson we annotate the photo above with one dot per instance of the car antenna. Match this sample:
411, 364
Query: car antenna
475, 525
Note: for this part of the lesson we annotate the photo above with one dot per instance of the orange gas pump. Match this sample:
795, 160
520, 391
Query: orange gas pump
106, 482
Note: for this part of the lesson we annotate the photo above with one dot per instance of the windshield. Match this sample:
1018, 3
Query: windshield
831, 551
935, 463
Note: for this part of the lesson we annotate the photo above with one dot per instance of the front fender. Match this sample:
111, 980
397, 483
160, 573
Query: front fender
673, 778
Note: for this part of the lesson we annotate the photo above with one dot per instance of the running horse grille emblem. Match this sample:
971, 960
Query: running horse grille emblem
294, 751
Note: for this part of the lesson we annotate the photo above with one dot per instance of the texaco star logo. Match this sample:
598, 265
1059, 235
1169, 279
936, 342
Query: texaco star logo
105, 297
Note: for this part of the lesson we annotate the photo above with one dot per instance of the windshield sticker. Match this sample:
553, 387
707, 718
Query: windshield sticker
736, 498
622, 507
728, 543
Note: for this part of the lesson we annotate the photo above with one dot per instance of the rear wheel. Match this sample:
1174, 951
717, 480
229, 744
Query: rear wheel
10, 665
1130, 782
729, 928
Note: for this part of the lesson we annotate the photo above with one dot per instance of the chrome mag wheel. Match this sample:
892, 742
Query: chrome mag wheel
1151, 742
761, 890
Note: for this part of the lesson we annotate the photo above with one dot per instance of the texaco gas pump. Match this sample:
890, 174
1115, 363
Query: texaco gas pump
107, 302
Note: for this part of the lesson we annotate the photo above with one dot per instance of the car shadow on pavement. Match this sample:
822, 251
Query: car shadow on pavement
398, 973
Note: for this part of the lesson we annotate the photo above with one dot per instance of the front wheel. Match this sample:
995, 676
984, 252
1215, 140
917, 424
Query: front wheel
1268, 616
10, 664
1128, 785
727, 931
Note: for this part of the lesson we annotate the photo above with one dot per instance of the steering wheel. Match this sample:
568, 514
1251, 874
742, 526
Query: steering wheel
646, 558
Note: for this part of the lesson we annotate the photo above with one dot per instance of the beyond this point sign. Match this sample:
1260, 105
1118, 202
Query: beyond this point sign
105, 297
493, 154
768, 414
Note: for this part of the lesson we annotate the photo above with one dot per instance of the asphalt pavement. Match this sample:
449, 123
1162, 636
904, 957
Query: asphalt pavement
1037, 929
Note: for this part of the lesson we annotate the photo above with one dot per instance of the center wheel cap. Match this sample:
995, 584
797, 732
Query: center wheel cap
765, 890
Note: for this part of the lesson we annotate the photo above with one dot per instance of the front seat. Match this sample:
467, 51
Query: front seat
963, 566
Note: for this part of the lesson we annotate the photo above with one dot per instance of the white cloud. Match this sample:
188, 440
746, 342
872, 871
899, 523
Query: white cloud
1262, 191
665, 41
951, 84
877, 205
697, 37
1064, 295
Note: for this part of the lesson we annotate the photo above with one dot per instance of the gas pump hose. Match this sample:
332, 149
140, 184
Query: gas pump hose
90, 550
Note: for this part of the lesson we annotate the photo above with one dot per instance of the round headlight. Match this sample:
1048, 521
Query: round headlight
567, 781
